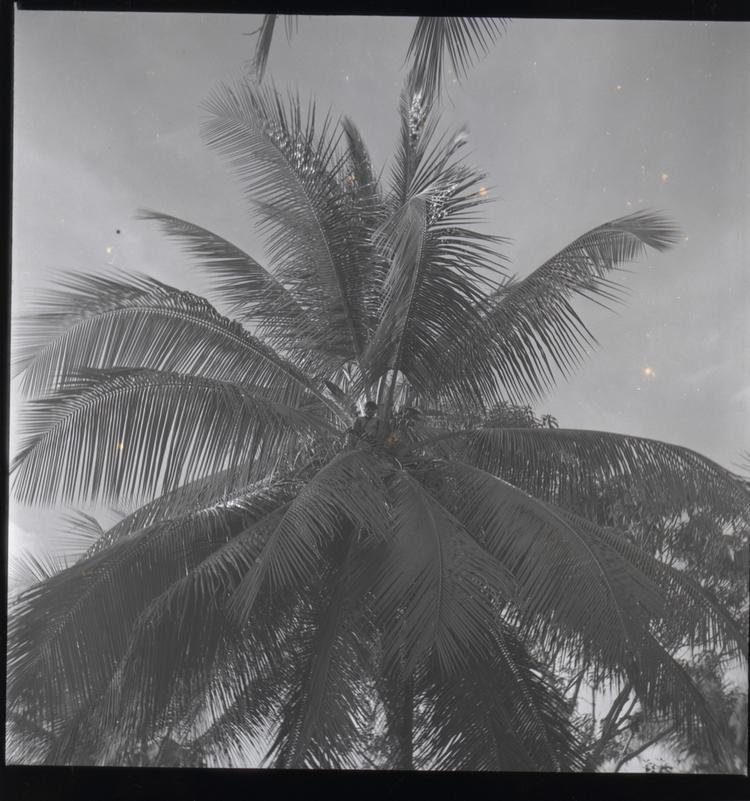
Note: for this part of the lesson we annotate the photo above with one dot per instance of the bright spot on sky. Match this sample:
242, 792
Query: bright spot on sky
649, 372
483, 190
618, 87
664, 177
109, 250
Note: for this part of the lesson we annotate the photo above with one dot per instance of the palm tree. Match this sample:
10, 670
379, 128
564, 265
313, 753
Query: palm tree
284, 591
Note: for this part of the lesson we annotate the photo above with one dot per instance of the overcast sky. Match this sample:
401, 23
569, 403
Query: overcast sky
576, 123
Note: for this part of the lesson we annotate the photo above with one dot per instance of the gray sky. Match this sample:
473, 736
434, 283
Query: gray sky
576, 123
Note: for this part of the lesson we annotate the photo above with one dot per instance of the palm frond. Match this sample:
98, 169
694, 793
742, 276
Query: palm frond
530, 332
347, 491
325, 713
434, 585
563, 571
92, 321
574, 467
27, 568
142, 432
233, 720
291, 170
265, 38
181, 633
566, 568
67, 634
360, 178
503, 713
263, 47
239, 489
694, 617
26, 742
80, 531
463, 40
438, 266
368, 207
251, 294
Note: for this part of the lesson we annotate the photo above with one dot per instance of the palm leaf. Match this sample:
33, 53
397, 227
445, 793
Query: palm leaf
27, 569
236, 489
79, 532
503, 713
573, 467
263, 48
143, 432
347, 491
27, 742
103, 322
694, 618
431, 584
563, 571
67, 634
250, 292
182, 635
237, 712
438, 267
265, 38
291, 171
530, 331
324, 714
464, 40
567, 567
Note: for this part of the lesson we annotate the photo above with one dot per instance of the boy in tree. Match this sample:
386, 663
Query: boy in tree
368, 431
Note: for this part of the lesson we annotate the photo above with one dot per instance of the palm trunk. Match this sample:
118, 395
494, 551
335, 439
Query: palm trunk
404, 728
397, 694
400, 723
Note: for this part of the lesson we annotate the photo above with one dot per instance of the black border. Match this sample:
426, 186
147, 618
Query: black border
25, 783
166, 784
592, 9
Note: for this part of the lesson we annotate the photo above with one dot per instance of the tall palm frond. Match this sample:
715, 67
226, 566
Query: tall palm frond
263, 48
438, 267
291, 170
223, 489
462, 40
27, 568
81, 531
183, 635
265, 38
347, 492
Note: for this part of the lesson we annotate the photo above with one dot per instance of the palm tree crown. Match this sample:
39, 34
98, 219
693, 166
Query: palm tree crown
287, 588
